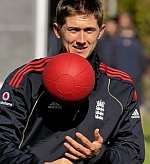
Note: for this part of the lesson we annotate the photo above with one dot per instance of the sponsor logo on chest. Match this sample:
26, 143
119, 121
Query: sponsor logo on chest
5, 99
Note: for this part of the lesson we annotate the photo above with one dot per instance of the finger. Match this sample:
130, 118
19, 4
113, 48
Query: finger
97, 136
73, 151
72, 157
77, 146
84, 140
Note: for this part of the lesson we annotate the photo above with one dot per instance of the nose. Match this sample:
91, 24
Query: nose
81, 38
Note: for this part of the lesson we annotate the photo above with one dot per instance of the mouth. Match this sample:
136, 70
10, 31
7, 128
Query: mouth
79, 49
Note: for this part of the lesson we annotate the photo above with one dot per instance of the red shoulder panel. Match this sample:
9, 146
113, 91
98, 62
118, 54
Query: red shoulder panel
35, 65
111, 72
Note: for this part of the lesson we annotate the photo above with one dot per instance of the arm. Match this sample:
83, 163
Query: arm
127, 146
14, 110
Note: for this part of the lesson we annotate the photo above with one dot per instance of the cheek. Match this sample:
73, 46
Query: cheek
93, 38
93, 41
69, 38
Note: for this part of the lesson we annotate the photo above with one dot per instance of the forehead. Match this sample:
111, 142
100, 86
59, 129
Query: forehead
81, 20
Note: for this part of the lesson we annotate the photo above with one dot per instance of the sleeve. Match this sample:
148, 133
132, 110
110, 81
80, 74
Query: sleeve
14, 110
127, 145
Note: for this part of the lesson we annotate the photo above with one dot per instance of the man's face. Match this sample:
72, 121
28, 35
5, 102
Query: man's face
79, 34
111, 27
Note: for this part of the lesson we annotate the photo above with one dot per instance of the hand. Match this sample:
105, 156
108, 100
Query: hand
60, 161
76, 151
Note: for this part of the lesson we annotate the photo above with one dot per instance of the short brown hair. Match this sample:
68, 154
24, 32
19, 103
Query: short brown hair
67, 8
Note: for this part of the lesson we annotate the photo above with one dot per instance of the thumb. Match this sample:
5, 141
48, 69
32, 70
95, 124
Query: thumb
97, 136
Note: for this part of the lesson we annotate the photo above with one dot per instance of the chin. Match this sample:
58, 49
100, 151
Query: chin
86, 55
83, 55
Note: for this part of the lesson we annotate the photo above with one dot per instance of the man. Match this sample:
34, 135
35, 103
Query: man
36, 128
106, 45
129, 52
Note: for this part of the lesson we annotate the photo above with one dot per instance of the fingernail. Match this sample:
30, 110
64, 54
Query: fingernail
97, 130
65, 143
67, 137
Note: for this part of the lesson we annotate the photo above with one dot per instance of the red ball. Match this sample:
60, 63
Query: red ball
69, 77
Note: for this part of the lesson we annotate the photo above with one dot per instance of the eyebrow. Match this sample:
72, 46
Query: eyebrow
78, 28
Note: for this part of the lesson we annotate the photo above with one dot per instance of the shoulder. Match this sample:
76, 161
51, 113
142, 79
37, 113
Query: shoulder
115, 74
33, 67
121, 85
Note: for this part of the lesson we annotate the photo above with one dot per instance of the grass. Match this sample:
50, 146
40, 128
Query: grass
146, 127
147, 155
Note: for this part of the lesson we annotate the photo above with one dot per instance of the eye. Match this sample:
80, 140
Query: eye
90, 30
73, 30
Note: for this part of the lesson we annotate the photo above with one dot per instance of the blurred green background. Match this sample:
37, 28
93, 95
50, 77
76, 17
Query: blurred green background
146, 126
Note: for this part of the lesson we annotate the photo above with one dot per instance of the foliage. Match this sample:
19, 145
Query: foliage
127, 5
146, 123
147, 157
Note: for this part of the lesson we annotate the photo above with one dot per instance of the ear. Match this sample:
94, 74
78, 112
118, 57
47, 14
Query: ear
102, 30
56, 30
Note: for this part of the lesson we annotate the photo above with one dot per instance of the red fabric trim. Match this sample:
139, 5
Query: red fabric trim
35, 65
111, 72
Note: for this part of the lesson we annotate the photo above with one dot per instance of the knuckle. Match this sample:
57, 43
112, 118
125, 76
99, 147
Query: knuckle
78, 148
88, 153
92, 149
